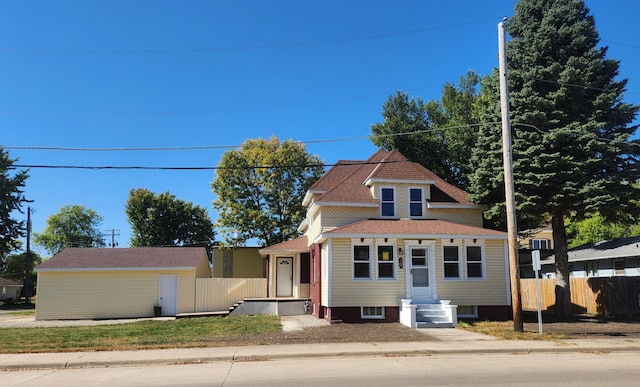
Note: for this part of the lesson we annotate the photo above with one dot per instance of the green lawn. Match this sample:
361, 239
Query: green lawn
195, 332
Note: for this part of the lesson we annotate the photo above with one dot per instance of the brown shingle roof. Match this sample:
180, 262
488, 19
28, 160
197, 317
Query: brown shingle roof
413, 228
294, 245
135, 257
345, 181
8, 282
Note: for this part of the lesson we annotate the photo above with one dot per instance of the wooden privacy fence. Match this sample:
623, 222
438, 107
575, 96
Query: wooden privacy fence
218, 294
605, 296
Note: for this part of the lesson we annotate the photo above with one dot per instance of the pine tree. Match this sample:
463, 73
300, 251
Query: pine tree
573, 153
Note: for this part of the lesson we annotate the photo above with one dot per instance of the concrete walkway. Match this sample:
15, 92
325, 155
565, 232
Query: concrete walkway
451, 341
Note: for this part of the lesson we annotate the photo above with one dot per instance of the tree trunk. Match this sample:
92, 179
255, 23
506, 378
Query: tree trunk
560, 249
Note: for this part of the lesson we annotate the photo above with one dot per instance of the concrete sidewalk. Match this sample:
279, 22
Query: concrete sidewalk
452, 341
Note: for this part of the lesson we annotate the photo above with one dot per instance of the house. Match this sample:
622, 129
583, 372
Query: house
385, 239
96, 283
238, 262
619, 257
537, 239
9, 290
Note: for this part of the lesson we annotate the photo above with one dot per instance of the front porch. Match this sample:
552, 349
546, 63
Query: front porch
436, 314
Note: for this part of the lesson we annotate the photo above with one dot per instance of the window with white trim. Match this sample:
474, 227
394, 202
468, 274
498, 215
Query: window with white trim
362, 262
540, 244
386, 262
372, 312
451, 262
387, 202
475, 262
416, 203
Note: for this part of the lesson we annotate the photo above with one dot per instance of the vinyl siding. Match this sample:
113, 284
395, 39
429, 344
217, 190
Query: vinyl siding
324, 274
107, 294
490, 291
333, 217
470, 217
349, 292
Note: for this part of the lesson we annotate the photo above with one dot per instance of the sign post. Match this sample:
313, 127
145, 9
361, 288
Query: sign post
535, 261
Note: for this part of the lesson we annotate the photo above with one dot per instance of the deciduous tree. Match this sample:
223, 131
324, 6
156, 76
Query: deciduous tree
259, 190
73, 226
163, 220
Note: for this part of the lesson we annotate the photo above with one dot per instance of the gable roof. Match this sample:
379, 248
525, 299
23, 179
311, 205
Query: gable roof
345, 182
296, 245
124, 258
412, 228
8, 282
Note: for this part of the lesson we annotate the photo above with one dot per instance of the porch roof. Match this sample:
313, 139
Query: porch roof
297, 245
412, 228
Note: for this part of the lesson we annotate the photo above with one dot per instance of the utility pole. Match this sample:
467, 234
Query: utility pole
509, 186
27, 275
114, 233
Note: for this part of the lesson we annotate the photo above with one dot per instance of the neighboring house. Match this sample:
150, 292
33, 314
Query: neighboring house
238, 262
94, 283
619, 257
386, 239
9, 290
538, 239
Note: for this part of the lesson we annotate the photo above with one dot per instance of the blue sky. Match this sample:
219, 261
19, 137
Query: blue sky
147, 74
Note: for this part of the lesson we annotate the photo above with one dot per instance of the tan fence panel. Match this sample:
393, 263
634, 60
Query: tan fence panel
218, 294
611, 295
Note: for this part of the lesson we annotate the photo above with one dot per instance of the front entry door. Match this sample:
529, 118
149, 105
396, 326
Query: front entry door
420, 274
284, 277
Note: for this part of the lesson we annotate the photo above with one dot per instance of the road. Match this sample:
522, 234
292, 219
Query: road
590, 369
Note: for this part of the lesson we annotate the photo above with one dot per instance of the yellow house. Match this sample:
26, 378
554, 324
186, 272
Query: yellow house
386, 239
82, 283
238, 262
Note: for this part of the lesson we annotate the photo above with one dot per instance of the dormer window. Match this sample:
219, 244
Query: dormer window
416, 203
387, 202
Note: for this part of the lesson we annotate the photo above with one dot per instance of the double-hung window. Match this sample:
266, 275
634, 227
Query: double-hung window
540, 244
362, 262
386, 266
387, 202
451, 262
416, 203
475, 263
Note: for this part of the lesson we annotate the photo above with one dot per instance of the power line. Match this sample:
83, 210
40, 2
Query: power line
243, 48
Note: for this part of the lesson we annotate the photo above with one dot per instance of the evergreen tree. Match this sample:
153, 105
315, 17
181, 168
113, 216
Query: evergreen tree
11, 198
573, 153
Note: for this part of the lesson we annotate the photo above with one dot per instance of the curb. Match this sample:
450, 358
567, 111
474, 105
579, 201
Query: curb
77, 364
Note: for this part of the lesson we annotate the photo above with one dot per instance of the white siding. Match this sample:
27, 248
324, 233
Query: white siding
218, 294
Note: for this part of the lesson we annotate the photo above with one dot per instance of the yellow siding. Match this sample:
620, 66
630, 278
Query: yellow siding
469, 217
247, 262
347, 292
490, 291
203, 270
315, 227
107, 294
218, 294
333, 217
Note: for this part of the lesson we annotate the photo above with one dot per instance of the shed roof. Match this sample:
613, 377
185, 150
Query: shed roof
299, 244
125, 258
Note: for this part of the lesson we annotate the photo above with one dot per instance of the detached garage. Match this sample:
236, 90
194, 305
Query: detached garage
86, 283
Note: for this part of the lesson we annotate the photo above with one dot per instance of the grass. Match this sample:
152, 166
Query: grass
196, 332
504, 330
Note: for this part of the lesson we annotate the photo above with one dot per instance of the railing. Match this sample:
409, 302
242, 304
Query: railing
218, 294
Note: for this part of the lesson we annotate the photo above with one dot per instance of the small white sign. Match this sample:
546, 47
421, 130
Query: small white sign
535, 260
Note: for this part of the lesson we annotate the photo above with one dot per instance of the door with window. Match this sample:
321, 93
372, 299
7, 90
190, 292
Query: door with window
420, 274
284, 277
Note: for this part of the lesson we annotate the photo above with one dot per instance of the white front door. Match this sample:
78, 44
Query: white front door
420, 274
284, 277
168, 294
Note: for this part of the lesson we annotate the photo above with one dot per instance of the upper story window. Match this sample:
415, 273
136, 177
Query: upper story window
388, 202
362, 262
416, 203
540, 244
